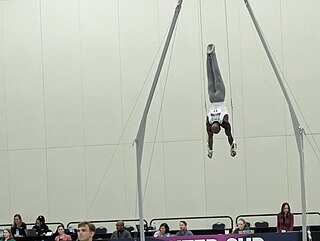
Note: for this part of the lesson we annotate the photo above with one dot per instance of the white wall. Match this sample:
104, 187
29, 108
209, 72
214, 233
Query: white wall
73, 85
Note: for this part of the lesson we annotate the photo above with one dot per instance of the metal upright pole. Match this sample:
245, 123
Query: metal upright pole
139, 141
303, 191
298, 130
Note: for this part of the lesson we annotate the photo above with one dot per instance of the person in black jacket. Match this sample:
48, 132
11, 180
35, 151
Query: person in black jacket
18, 227
41, 227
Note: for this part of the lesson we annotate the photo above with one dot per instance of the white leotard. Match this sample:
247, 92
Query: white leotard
216, 113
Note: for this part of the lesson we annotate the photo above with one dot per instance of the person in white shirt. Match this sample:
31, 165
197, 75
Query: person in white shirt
163, 231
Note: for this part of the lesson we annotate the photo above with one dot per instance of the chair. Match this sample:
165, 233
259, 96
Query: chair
145, 227
218, 226
261, 224
101, 230
129, 228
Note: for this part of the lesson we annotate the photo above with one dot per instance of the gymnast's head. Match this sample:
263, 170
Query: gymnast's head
215, 127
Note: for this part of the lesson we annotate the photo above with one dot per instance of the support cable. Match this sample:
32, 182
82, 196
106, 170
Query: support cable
205, 93
139, 140
298, 130
160, 110
126, 124
229, 67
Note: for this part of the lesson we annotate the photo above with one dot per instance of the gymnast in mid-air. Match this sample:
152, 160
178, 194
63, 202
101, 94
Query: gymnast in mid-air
218, 115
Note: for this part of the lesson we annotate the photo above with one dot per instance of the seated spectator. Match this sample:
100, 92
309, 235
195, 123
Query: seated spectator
41, 227
61, 235
163, 231
285, 219
120, 233
7, 236
86, 231
183, 229
241, 226
18, 227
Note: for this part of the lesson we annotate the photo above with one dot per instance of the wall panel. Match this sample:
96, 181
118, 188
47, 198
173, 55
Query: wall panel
23, 75
66, 183
101, 72
29, 189
3, 97
62, 73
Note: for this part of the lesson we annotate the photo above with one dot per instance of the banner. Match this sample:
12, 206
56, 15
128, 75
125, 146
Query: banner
289, 236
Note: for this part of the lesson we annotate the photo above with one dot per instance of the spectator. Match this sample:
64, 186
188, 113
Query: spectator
241, 226
183, 229
86, 231
61, 235
7, 236
120, 233
18, 227
41, 226
285, 219
163, 231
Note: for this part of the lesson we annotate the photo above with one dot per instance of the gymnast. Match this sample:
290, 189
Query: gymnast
218, 115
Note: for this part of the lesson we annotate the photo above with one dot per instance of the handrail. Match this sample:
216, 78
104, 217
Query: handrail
7, 225
270, 215
108, 221
194, 217
32, 224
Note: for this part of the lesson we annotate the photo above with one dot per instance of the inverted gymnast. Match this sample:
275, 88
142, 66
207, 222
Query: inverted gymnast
218, 115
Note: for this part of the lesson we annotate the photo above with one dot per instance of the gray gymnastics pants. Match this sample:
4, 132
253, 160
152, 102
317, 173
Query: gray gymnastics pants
216, 87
